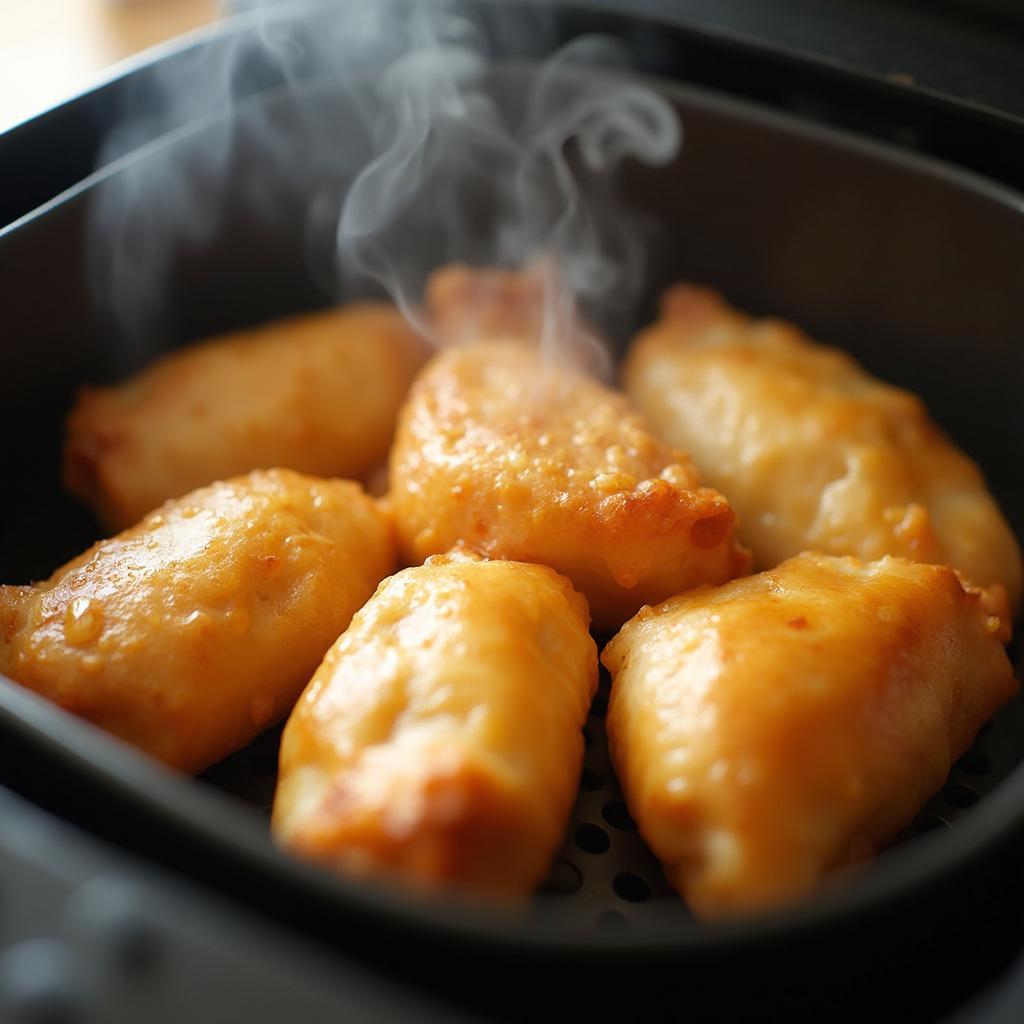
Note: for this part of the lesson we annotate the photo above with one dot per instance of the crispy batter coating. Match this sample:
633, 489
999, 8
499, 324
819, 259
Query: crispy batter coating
466, 303
519, 459
532, 307
190, 633
316, 393
812, 452
792, 722
440, 740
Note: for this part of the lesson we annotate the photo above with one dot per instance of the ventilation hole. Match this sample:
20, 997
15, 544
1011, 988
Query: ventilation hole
613, 921
592, 839
599, 708
262, 763
588, 737
136, 947
631, 887
564, 880
974, 764
616, 814
960, 796
590, 780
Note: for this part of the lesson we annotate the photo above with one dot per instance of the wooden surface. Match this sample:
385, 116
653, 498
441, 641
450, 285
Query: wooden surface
50, 49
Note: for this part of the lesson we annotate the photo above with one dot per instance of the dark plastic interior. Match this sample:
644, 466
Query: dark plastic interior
914, 267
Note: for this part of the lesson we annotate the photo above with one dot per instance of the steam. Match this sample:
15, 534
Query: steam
426, 152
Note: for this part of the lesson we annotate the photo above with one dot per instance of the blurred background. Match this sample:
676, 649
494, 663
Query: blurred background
50, 49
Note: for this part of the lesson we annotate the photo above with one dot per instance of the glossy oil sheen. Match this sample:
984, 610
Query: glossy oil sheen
913, 268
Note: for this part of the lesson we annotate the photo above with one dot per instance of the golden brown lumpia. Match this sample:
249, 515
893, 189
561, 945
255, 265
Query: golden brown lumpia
440, 740
316, 393
812, 452
190, 633
519, 459
788, 723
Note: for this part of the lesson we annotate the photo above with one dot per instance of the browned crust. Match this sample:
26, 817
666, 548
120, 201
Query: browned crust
459, 823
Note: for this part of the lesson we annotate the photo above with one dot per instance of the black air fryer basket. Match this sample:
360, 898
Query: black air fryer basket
914, 265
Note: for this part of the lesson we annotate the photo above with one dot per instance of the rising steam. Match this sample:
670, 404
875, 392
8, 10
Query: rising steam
427, 151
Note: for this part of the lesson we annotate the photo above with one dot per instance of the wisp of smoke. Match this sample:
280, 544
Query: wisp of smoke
438, 152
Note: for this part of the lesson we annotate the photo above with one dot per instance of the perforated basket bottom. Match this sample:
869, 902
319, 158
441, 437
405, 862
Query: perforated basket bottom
604, 872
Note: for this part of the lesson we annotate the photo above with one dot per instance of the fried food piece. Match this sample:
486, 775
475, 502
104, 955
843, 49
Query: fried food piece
316, 393
519, 459
466, 303
812, 452
792, 722
190, 633
441, 739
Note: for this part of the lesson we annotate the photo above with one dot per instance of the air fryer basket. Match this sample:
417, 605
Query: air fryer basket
913, 266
